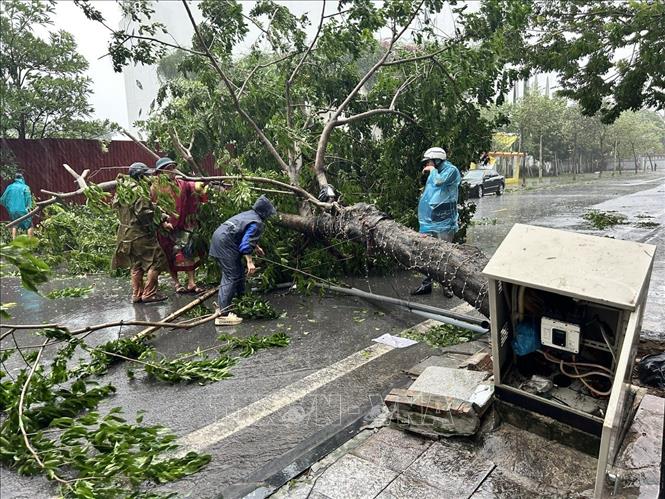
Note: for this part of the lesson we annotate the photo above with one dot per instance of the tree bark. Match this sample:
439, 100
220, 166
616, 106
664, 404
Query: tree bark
634, 157
575, 159
459, 266
540, 160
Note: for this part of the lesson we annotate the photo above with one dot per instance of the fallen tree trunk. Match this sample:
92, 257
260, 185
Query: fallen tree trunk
457, 265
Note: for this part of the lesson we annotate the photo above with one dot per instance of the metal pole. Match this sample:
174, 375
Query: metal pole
467, 319
452, 322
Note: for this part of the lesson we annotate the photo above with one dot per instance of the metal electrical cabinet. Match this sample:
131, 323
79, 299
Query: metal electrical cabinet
566, 313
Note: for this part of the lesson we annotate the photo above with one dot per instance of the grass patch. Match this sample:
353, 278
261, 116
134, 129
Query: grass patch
484, 221
604, 219
441, 335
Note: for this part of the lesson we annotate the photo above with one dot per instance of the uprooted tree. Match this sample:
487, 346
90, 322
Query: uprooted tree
352, 105
335, 106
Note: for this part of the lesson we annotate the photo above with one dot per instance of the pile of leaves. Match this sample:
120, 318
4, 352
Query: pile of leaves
77, 239
18, 256
51, 425
69, 292
647, 224
95, 455
604, 219
441, 335
251, 306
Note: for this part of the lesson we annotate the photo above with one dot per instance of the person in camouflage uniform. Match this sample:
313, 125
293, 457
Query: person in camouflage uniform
137, 247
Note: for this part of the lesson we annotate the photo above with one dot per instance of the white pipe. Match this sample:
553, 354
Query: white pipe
448, 320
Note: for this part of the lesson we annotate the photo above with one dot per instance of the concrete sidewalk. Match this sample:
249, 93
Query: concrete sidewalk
502, 460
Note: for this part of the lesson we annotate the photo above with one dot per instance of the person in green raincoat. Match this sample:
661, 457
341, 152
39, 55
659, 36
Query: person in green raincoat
137, 247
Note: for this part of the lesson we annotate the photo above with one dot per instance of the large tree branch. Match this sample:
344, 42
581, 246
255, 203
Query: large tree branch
456, 265
185, 152
263, 66
262, 180
401, 88
141, 144
414, 59
310, 47
236, 102
319, 161
372, 112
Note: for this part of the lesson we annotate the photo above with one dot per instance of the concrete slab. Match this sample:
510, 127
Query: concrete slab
502, 484
461, 384
446, 359
393, 449
546, 465
452, 467
407, 487
353, 478
640, 460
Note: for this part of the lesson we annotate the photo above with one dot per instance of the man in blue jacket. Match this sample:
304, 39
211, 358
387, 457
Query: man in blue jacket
17, 199
237, 237
437, 208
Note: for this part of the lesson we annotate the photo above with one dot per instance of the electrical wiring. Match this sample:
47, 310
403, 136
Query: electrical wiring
583, 375
579, 364
607, 341
593, 390
577, 375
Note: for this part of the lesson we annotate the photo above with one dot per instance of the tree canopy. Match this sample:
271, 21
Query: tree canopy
43, 88
609, 55
567, 132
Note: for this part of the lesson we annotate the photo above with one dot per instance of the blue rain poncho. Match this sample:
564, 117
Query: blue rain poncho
16, 198
437, 209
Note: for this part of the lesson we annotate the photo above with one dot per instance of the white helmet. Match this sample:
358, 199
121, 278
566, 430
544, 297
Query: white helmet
434, 153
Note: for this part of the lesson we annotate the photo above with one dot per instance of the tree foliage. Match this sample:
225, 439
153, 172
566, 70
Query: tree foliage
344, 106
609, 55
43, 88
566, 131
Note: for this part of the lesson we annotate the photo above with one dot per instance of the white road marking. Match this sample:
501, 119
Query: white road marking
242, 418
208, 435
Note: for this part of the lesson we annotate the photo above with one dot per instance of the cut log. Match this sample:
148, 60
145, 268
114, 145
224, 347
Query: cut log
457, 265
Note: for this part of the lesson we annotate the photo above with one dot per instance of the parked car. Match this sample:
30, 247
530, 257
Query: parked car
481, 182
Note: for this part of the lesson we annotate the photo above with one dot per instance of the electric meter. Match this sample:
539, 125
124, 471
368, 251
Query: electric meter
561, 335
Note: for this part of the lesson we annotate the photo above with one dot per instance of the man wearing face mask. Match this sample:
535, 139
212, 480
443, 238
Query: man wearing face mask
437, 208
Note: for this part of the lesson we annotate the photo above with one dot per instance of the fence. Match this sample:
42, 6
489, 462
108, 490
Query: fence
41, 161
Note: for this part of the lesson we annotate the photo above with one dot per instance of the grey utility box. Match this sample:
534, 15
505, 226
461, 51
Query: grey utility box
566, 313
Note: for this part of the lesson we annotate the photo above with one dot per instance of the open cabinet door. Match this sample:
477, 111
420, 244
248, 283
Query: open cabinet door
618, 409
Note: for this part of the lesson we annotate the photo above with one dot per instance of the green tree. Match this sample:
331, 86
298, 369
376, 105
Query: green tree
43, 88
609, 54
638, 134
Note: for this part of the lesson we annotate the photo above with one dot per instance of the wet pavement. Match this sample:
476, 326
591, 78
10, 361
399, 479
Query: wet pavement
285, 404
640, 198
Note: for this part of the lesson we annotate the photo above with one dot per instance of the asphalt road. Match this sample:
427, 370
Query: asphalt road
283, 407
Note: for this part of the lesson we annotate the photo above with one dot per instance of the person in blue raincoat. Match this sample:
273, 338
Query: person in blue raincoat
437, 208
17, 199
237, 237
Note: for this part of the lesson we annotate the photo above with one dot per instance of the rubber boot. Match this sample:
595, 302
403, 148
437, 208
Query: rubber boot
150, 294
425, 288
137, 284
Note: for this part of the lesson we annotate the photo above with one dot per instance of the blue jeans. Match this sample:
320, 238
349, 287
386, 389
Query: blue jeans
232, 283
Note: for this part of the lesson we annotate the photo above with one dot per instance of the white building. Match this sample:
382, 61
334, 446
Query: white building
141, 81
